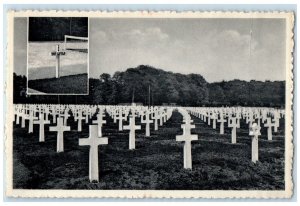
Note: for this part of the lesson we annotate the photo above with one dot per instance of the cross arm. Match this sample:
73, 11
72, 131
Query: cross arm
186, 137
84, 141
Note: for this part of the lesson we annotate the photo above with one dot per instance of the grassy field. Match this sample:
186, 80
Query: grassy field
42, 65
73, 84
157, 162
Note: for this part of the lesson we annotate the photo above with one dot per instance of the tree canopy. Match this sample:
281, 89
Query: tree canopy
145, 83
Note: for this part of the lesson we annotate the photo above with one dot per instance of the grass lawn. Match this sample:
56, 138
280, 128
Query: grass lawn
73, 84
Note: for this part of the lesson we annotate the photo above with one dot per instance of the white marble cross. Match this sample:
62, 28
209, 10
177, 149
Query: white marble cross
208, 118
60, 128
31, 118
204, 117
66, 116
47, 113
187, 119
232, 122
57, 54
187, 128
132, 127
114, 115
249, 118
18, 114
24, 117
54, 114
147, 121
161, 114
222, 121
99, 121
156, 118
120, 118
41, 123
187, 137
254, 132
87, 116
79, 119
93, 141
269, 124
276, 120
214, 121
238, 117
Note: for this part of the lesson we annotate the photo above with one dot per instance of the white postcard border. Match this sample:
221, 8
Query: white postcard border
37, 193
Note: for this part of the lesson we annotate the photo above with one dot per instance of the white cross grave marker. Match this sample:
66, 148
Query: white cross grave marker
57, 54
18, 114
60, 128
156, 118
208, 118
42, 123
99, 121
93, 141
254, 132
214, 121
54, 114
31, 119
222, 121
79, 119
132, 127
24, 117
269, 124
276, 121
66, 116
120, 118
233, 124
187, 137
147, 121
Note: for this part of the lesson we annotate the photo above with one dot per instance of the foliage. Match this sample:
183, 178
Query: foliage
54, 29
253, 93
61, 85
133, 85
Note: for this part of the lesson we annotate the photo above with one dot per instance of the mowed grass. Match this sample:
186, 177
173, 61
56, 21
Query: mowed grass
156, 163
41, 64
73, 84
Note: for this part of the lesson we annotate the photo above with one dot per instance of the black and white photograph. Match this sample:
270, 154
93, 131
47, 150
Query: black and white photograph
185, 105
57, 55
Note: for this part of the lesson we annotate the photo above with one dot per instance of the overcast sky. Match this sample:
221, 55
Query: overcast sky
218, 49
20, 46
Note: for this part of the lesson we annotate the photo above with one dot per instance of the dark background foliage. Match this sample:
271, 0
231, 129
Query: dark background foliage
165, 87
54, 28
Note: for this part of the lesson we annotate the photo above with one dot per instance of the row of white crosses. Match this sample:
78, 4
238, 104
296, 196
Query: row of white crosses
269, 116
132, 127
94, 133
148, 116
95, 136
60, 115
233, 115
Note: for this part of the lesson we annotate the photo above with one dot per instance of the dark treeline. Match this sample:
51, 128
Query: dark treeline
253, 93
54, 28
134, 85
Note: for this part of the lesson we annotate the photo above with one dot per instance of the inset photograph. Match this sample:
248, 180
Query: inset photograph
57, 61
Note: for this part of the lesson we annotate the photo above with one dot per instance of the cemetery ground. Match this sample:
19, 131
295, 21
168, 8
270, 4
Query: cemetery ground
72, 84
156, 163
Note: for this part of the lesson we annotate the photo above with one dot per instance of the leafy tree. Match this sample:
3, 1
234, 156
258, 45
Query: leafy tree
165, 87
